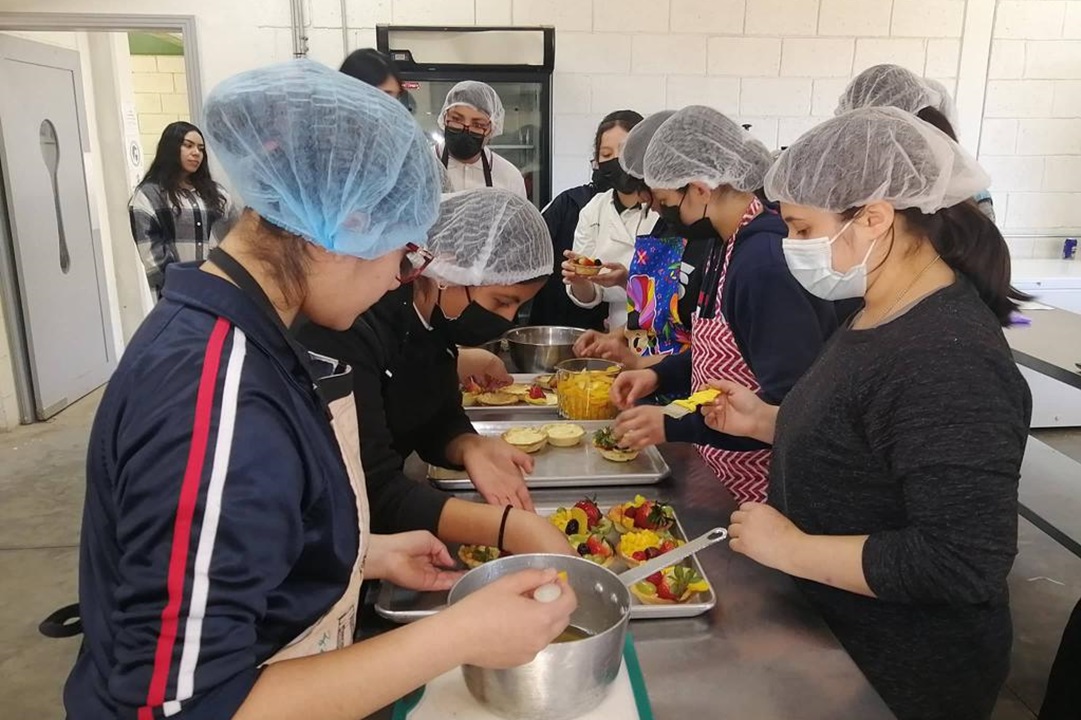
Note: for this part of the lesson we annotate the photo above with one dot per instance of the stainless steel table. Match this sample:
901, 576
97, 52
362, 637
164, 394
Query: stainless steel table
1051, 345
762, 652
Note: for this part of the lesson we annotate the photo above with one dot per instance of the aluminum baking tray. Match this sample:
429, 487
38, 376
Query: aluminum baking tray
580, 466
405, 606
511, 412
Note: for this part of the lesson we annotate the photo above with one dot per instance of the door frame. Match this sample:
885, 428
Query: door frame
75, 22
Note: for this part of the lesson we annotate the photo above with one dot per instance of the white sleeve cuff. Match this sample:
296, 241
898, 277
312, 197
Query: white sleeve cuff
598, 298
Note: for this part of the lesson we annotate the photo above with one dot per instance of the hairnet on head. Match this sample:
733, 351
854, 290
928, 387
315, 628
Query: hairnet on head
632, 158
699, 144
489, 236
325, 156
945, 103
479, 96
887, 86
875, 154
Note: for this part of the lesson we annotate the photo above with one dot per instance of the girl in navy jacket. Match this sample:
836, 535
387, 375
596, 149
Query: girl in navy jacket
225, 531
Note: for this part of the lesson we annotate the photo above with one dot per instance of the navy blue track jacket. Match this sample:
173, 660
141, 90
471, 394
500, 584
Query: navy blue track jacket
219, 520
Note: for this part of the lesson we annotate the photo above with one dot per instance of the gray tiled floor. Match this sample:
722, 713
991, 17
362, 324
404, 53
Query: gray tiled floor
41, 487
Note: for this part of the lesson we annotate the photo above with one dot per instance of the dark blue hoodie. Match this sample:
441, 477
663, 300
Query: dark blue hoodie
219, 520
779, 328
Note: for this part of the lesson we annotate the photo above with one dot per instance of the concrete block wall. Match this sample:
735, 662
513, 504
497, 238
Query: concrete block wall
161, 96
776, 64
1031, 140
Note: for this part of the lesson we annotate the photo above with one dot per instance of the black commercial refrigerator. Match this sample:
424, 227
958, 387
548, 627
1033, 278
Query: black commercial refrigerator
516, 61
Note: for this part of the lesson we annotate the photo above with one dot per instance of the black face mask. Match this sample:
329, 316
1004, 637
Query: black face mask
701, 228
607, 175
462, 144
476, 325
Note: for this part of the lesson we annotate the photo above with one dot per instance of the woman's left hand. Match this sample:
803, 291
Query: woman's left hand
611, 275
413, 560
475, 362
640, 427
497, 471
763, 534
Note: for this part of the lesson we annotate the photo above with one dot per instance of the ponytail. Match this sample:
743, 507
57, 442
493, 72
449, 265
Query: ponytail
973, 246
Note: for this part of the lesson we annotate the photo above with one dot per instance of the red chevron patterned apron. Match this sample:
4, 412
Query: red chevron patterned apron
714, 354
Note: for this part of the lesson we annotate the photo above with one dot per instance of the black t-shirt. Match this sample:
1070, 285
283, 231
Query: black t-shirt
912, 433
408, 400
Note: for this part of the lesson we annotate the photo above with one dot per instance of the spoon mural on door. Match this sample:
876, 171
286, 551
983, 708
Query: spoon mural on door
50, 152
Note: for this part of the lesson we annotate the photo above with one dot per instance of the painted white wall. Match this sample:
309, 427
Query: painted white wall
1031, 143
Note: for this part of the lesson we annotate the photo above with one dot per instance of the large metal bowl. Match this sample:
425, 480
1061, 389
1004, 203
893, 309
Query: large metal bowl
539, 348
565, 679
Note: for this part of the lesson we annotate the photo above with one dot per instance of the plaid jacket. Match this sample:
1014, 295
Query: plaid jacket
165, 236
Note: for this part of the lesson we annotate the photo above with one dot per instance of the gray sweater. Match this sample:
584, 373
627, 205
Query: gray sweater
912, 433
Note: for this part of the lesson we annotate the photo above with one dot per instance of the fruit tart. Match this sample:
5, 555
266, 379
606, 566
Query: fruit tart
474, 556
670, 586
586, 516
593, 548
587, 266
536, 395
642, 514
638, 546
609, 448
570, 521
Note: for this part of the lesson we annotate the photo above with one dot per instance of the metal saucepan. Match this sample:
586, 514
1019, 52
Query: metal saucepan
567, 679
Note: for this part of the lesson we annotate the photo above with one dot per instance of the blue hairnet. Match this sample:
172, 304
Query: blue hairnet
325, 156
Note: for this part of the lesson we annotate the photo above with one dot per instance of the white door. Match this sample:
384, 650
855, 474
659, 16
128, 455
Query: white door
57, 266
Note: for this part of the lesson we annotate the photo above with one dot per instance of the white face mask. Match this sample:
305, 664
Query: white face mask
811, 263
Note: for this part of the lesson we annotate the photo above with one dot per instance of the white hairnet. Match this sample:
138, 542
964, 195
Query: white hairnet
945, 103
479, 96
875, 154
489, 236
887, 86
325, 156
632, 158
699, 144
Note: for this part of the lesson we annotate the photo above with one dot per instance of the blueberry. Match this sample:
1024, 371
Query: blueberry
583, 549
572, 527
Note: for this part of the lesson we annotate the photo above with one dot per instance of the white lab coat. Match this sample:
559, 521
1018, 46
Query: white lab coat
609, 236
464, 176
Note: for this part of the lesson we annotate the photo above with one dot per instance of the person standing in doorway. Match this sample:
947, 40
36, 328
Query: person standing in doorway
471, 116
178, 213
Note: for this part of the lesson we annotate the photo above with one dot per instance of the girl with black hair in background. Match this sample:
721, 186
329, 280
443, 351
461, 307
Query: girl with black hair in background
381, 72
552, 305
178, 213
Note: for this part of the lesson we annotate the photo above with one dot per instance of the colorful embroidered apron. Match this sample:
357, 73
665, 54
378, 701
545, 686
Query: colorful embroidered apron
653, 293
715, 355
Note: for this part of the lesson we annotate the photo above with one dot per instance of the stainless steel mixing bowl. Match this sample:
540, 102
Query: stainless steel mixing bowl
539, 348
566, 679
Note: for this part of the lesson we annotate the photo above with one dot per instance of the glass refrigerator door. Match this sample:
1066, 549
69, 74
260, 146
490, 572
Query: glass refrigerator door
520, 141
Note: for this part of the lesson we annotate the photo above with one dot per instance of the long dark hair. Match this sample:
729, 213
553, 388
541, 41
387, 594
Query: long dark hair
167, 173
971, 244
625, 119
932, 116
370, 66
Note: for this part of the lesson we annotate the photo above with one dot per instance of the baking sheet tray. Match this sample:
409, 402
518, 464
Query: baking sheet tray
405, 606
510, 412
554, 467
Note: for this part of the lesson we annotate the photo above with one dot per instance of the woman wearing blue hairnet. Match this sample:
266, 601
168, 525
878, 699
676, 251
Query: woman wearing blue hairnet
893, 489
226, 529
491, 253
